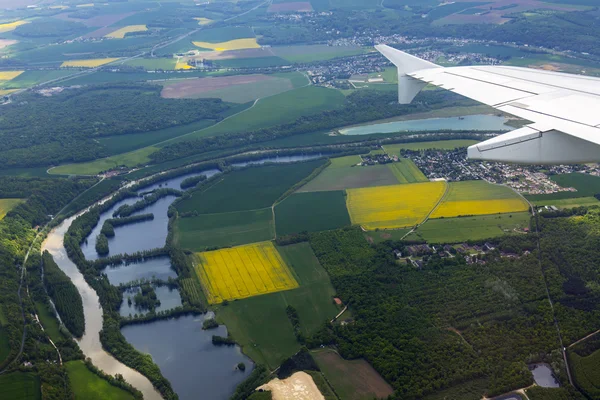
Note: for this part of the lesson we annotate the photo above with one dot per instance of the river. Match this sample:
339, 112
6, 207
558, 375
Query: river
183, 351
470, 122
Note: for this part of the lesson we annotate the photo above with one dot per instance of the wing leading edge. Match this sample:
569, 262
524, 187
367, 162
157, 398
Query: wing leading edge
564, 108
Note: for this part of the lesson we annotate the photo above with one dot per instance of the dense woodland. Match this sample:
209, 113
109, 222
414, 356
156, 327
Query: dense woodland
45, 130
446, 325
65, 296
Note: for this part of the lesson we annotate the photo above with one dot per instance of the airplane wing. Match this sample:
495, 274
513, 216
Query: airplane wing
564, 108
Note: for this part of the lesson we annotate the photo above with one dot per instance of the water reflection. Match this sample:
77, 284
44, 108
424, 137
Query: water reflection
543, 376
158, 267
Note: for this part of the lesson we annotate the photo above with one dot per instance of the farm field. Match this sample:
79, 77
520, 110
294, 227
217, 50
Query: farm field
243, 271
248, 189
569, 203
586, 372
91, 63
586, 185
343, 173
102, 164
397, 206
260, 324
32, 77
317, 52
11, 26
225, 229
9, 75
235, 89
351, 379
385, 234
291, 6
441, 145
279, 109
478, 198
406, 171
8, 204
453, 230
203, 21
236, 44
311, 212
121, 32
20, 386
89, 386
152, 63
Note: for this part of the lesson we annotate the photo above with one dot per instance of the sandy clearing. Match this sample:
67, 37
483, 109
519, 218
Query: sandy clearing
299, 386
300, 6
7, 42
191, 87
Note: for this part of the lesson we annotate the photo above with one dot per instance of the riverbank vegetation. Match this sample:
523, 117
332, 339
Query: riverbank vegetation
65, 296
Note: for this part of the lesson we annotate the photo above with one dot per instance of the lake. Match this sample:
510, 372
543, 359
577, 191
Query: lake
188, 359
469, 122
157, 267
543, 376
169, 299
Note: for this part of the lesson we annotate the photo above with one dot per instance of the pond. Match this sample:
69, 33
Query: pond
279, 160
175, 183
543, 376
169, 299
188, 359
469, 122
157, 267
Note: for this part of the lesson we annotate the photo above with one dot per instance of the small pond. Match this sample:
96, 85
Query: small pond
169, 299
543, 376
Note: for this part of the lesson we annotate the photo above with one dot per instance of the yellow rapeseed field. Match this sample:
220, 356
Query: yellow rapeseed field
203, 21
8, 75
182, 65
120, 33
479, 198
91, 63
390, 207
11, 25
237, 44
243, 271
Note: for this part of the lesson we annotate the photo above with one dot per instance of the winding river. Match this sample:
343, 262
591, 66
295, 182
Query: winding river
191, 363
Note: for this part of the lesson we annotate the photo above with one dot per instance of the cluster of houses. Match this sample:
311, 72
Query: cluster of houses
471, 253
374, 159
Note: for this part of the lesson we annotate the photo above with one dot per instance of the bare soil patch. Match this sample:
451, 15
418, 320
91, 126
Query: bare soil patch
191, 87
352, 379
299, 386
300, 6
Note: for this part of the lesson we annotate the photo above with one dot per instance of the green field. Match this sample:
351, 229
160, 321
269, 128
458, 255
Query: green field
217, 35
311, 212
344, 174
351, 379
34, 77
8, 204
569, 203
453, 230
225, 229
130, 159
260, 325
255, 62
586, 372
315, 52
441, 145
49, 321
248, 189
88, 386
279, 109
407, 172
152, 63
586, 185
20, 386
385, 234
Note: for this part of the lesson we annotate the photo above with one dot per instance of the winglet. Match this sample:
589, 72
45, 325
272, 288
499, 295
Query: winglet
408, 87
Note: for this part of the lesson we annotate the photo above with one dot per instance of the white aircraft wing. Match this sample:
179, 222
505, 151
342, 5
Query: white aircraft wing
564, 108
